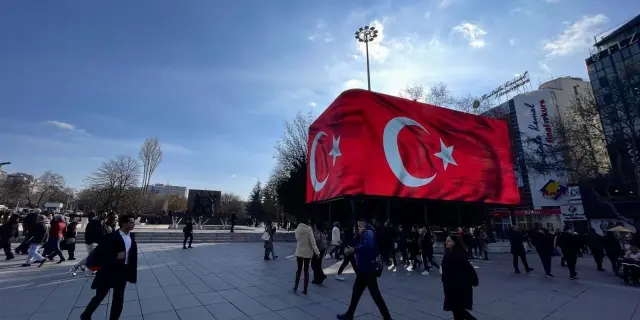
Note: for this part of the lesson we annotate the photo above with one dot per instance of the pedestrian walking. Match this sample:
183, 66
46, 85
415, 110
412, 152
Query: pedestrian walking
595, 242
367, 273
7, 231
543, 242
269, 231
336, 242
117, 259
316, 261
188, 233
517, 249
568, 243
93, 233
40, 236
354, 239
458, 279
305, 249
70, 238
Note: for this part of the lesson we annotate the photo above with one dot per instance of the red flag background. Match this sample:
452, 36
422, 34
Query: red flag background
479, 169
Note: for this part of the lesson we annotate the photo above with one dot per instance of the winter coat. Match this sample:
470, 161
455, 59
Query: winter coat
41, 232
426, 244
335, 236
458, 279
268, 244
516, 239
366, 251
321, 240
305, 242
57, 229
94, 232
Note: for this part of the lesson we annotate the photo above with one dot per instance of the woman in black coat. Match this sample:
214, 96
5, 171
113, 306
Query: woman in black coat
458, 279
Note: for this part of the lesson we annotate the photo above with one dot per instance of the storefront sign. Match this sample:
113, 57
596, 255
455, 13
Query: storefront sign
572, 212
533, 212
635, 37
508, 87
574, 194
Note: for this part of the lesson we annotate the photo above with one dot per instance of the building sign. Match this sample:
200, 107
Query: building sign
634, 38
554, 190
535, 112
572, 212
508, 87
534, 212
574, 195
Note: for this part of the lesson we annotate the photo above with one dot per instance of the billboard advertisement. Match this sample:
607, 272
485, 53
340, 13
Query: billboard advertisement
535, 112
380, 145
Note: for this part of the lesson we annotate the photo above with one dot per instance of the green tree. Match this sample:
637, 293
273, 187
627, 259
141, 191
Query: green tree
254, 207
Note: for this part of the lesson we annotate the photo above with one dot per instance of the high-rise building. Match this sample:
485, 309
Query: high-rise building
614, 72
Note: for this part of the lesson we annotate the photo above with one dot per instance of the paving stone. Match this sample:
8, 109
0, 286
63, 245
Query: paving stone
232, 282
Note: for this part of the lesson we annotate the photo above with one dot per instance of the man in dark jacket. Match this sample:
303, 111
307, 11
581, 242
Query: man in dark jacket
7, 231
188, 233
93, 233
568, 243
517, 249
117, 259
596, 245
366, 253
39, 236
543, 241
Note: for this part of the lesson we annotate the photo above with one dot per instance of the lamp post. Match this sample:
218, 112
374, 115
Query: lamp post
366, 34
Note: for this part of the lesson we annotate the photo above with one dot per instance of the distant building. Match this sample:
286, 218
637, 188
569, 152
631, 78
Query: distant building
3, 177
17, 177
168, 190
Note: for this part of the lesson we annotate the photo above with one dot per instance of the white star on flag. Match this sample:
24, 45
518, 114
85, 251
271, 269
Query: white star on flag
335, 150
446, 154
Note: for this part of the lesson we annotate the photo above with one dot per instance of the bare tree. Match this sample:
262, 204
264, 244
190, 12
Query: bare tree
231, 202
113, 182
414, 92
177, 203
151, 156
42, 188
291, 150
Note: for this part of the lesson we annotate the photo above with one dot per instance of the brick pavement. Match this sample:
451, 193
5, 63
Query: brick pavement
231, 281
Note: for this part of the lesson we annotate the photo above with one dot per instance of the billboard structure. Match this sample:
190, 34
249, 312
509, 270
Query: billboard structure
516, 84
203, 202
368, 143
535, 112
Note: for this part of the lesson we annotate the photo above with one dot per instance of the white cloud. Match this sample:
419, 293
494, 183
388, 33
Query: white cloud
544, 67
427, 15
377, 49
233, 176
551, 1
313, 104
175, 148
577, 37
512, 42
354, 84
62, 125
320, 32
445, 3
472, 33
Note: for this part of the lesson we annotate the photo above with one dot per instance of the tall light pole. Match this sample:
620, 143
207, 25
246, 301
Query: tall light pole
366, 34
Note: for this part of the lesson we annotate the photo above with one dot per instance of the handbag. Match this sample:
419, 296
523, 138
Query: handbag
266, 236
70, 240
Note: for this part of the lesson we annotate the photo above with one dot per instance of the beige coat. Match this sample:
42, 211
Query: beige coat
305, 242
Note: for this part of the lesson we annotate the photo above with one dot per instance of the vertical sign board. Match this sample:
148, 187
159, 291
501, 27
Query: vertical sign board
535, 112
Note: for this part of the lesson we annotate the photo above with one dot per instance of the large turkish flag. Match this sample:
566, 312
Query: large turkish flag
390, 146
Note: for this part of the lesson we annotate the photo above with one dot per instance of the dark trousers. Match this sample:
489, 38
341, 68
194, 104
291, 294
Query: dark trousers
413, 255
615, 264
233, 225
571, 260
187, 235
316, 266
367, 281
71, 249
116, 302
546, 262
302, 262
335, 251
522, 257
403, 253
53, 247
347, 259
6, 246
427, 260
463, 315
598, 257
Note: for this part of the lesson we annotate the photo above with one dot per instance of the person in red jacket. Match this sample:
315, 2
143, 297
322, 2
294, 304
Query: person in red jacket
56, 235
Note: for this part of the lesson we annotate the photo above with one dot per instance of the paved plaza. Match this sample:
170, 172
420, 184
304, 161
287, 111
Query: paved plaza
232, 281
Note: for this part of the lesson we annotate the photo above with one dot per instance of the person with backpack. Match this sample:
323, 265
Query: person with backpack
369, 268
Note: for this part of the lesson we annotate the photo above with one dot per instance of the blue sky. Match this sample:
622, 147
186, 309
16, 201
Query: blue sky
84, 81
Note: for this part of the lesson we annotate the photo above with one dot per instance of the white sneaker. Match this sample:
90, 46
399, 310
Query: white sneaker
393, 269
390, 267
440, 270
410, 268
73, 271
425, 273
339, 277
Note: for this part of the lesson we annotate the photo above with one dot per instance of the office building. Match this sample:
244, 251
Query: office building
614, 72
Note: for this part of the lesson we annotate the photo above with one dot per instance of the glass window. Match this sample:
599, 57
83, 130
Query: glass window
625, 53
635, 48
599, 65
609, 70
606, 62
595, 85
591, 68
617, 56
604, 82
601, 74
607, 98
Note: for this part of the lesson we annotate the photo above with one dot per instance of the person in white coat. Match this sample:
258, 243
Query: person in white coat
336, 242
305, 249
